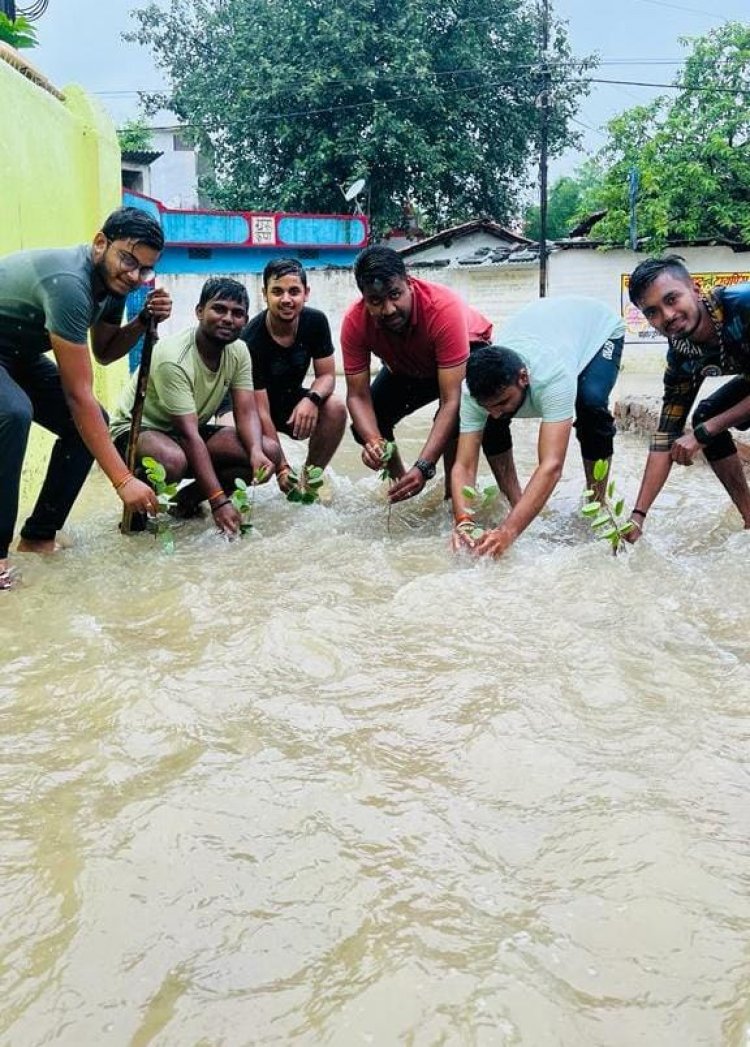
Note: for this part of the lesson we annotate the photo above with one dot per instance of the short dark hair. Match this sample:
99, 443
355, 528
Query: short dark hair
279, 267
131, 223
492, 368
377, 266
224, 287
649, 270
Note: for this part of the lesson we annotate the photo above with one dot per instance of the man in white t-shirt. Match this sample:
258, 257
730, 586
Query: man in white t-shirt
191, 372
558, 360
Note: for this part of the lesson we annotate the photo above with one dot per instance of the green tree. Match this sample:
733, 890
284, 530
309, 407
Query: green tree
567, 197
434, 104
135, 136
692, 151
18, 32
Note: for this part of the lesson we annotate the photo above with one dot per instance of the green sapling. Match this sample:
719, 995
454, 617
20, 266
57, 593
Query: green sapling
305, 490
606, 516
161, 524
243, 499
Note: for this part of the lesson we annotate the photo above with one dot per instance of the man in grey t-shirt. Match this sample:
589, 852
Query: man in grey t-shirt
49, 302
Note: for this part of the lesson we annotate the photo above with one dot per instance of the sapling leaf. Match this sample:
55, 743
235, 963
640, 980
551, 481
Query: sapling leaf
589, 493
490, 493
601, 520
240, 484
469, 492
601, 468
314, 472
627, 526
294, 495
155, 471
591, 508
611, 489
260, 475
619, 506
308, 497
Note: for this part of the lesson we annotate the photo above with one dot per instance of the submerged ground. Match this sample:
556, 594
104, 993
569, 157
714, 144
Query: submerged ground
332, 786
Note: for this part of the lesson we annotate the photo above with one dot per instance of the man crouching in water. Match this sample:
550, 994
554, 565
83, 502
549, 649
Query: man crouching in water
190, 373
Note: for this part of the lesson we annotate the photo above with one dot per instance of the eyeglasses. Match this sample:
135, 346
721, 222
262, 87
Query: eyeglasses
130, 264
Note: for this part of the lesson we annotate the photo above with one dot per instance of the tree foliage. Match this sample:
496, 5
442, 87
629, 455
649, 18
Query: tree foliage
433, 104
18, 32
565, 201
135, 136
692, 151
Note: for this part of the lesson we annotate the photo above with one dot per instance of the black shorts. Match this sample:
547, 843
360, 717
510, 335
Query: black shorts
205, 432
281, 407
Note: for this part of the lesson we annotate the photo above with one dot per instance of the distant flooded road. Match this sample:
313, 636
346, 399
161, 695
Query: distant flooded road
328, 785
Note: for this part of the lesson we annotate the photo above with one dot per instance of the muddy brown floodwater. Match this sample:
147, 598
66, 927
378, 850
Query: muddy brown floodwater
331, 786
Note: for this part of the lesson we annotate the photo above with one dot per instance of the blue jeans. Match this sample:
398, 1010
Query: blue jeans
30, 390
594, 424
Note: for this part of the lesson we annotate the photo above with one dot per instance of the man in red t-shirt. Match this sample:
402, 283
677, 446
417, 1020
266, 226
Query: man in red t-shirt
422, 333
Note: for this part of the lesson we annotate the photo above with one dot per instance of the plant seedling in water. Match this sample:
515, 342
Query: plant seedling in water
388, 451
161, 524
606, 517
243, 499
479, 500
305, 490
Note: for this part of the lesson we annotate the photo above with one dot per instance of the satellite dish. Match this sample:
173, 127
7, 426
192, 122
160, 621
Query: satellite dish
354, 190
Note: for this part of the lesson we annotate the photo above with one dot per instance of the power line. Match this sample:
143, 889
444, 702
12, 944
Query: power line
691, 10
410, 76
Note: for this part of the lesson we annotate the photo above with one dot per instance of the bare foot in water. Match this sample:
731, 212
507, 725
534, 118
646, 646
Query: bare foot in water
9, 576
44, 546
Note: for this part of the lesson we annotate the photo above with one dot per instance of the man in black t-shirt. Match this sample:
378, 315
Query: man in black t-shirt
284, 339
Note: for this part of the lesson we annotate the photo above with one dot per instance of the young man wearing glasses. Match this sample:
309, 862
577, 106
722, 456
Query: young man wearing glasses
50, 301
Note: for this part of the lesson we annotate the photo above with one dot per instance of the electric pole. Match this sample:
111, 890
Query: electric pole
543, 104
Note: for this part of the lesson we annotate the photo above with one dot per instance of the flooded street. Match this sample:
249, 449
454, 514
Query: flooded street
331, 785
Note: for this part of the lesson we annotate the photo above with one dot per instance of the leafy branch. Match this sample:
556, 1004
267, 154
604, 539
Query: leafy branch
606, 516
18, 33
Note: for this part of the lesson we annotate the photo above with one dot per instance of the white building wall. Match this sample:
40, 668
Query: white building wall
599, 274
174, 176
496, 291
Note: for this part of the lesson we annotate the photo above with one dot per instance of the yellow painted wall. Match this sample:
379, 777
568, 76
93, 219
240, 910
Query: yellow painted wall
59, 178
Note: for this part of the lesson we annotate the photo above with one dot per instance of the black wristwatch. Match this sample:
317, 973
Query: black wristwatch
427, 469
316, 398
702, 435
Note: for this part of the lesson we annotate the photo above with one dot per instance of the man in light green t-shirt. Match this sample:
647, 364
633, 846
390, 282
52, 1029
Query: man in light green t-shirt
558, 360
190, 374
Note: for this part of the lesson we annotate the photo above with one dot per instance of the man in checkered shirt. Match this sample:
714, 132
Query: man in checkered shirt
708, 335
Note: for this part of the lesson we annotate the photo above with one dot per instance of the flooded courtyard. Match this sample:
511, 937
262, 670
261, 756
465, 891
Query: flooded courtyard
335, 785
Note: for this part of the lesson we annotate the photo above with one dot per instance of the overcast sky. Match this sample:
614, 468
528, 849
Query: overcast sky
637, 40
